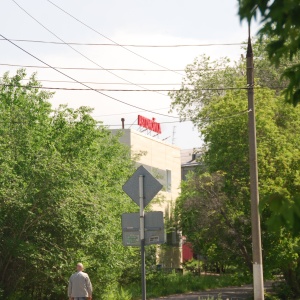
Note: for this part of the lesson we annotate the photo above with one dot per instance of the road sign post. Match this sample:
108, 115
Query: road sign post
142, 235
142, 187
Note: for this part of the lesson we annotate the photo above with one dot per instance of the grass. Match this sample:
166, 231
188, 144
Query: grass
162, 284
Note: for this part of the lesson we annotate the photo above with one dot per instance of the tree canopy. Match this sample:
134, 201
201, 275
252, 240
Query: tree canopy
60, 195
281, 24
214, 206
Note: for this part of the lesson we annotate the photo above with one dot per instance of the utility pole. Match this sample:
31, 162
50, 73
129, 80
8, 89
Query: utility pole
258, 281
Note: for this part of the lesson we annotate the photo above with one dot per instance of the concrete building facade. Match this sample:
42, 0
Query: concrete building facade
163, 161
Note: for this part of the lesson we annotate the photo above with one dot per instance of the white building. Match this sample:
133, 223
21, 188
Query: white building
163, 161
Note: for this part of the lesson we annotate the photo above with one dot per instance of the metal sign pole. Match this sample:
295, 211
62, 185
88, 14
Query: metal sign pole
142, 235
142, 187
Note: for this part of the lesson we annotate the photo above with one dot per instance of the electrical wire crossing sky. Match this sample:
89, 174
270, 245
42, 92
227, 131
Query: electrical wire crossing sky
121, 58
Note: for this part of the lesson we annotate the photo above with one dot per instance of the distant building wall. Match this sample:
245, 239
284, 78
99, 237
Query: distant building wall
163, 161
189, 161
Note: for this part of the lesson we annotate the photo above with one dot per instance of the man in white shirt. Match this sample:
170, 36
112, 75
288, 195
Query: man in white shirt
80, 286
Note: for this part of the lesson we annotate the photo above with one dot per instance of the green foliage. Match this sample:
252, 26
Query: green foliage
60, 195
120, 294
193, 266
266, 73
162, 284
214, 206
283, 292
132, 271
271, 297
281, 24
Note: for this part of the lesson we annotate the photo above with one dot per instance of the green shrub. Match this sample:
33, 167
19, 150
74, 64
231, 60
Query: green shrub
162, 284
283, 291
121, 294
271, 297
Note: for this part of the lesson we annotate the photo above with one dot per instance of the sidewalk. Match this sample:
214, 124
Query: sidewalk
229, 293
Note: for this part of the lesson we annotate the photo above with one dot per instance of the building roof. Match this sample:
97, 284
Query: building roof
145, 136
190, 156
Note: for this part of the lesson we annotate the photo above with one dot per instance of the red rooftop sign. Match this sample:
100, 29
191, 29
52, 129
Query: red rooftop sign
149, 124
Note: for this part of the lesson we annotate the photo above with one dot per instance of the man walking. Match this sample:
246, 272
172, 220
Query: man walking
80, 286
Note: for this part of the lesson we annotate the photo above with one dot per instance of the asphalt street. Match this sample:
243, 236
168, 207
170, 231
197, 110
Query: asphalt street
229, 293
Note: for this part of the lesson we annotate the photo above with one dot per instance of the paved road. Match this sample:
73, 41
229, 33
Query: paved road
230, 293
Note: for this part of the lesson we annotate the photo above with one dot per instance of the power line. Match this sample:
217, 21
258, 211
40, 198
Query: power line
66, 75
80, 53
128, 113
167, 122
127, 90
126, 45
107, 69
203, 119
114, 42
103, 83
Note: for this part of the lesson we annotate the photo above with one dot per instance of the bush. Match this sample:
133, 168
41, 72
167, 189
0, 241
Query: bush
162, 284
120, 294
283, 291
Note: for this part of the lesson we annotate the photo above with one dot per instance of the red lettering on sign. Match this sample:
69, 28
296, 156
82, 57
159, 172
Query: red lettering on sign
149, 124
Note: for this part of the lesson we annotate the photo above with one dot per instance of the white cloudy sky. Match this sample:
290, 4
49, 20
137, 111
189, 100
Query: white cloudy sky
146, 22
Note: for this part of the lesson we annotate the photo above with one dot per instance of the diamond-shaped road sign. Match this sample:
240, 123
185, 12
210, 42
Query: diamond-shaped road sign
151, 186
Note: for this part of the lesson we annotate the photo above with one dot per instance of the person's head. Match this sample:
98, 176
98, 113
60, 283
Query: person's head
79, 267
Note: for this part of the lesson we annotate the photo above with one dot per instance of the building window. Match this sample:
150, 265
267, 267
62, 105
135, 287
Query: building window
168, 181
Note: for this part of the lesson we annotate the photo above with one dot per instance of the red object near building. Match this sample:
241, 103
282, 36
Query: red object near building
149, 124
187, 251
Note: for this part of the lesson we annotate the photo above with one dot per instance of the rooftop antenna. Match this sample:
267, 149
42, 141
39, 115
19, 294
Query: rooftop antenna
173, 135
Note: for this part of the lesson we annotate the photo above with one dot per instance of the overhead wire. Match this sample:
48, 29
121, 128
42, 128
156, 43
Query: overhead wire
132, 123
74, 49
128, 90
128, 113
96, 31
171, 122
83, 84
127, 45
202, 119
103, 83
107, 69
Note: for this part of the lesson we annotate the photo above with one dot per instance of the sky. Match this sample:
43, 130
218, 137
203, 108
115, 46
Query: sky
125, 22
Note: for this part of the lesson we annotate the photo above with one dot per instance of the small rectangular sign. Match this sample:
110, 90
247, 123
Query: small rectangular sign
132, 238
154, 239
154, 228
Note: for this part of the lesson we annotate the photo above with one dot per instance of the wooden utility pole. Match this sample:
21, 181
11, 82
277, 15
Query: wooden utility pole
258, 281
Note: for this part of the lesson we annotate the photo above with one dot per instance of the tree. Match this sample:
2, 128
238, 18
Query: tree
214, 207
210, 222
282, 26
60, 195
